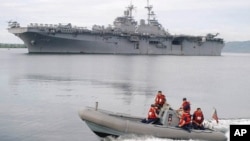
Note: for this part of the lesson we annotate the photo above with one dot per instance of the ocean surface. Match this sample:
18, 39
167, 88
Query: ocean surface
41, 95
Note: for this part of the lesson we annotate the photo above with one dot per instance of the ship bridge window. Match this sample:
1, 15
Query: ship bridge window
176, 42
120, 20
153, 42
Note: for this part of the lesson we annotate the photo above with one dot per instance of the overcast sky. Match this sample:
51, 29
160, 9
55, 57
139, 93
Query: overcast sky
230, 18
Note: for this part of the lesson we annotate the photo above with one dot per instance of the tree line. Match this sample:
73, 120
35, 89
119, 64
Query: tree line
2, 45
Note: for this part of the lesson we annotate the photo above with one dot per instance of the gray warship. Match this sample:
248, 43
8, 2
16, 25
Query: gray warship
125, 36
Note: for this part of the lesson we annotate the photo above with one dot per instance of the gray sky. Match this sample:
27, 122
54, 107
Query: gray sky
230, 18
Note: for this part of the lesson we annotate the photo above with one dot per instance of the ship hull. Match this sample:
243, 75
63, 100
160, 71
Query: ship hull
99, 43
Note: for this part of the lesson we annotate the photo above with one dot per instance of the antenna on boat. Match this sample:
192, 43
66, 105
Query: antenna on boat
96, 105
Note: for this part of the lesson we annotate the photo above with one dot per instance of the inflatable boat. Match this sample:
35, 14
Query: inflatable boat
106, 123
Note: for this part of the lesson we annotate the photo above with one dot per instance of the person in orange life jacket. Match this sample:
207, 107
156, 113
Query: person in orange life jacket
185, 105
185, 120
152, 115
160, 99
197, 120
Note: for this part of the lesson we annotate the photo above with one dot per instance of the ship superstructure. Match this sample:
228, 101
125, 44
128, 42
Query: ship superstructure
125, 36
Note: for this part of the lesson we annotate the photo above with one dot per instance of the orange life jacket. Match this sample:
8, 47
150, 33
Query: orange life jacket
152, 113
160, 99
198, 117
186, 106
185, 119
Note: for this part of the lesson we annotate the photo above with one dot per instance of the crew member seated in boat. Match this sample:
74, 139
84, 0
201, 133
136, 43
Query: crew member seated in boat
198, 119
152, 115
185, 120
160, 99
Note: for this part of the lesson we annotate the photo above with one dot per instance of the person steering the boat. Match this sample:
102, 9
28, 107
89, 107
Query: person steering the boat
186, 106
160, 99
198, 119
152, 115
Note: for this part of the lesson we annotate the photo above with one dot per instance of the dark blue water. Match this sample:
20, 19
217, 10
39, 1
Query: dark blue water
40, 95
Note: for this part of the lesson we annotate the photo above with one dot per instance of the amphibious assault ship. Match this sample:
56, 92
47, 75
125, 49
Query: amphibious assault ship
125, 36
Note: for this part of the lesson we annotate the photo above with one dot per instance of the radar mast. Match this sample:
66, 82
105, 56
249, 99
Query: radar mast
130, 8
150, 12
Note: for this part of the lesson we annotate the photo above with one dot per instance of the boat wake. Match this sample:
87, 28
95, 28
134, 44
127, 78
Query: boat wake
222, 126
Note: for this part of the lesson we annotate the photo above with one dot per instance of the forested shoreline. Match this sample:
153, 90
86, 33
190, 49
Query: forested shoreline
5, 45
